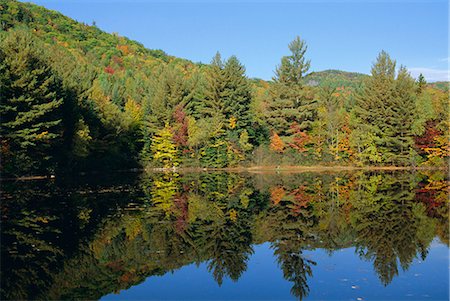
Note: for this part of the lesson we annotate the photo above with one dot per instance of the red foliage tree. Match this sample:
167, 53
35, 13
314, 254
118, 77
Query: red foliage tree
180, 130
301, 199
300, 138
427, 140
117, 60
181, 212
109, 70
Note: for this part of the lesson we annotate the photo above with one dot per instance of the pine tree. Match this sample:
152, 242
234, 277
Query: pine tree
30, 102
169, 90
236, 94
289, 100
399, 128
385, 113
281, 111
294, 67
213, 105
225, 108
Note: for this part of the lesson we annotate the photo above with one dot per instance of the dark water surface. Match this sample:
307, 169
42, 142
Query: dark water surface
347, 236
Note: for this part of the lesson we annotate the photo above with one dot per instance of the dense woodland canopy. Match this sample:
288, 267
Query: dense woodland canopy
76, 98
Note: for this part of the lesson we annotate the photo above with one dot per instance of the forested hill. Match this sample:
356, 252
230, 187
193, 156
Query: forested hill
105, 80
76, 98
335, 78
53, 27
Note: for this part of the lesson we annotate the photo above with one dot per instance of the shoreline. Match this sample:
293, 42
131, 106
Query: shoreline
252, 169
297, 169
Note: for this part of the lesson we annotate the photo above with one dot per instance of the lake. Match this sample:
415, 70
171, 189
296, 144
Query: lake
217, 235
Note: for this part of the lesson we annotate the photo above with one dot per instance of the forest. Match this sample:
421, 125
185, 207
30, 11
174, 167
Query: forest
75, 98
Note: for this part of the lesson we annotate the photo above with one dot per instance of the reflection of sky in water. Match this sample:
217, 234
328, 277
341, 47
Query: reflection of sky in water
343, 276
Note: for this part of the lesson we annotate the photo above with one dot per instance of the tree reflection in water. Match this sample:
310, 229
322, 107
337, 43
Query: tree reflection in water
83, 241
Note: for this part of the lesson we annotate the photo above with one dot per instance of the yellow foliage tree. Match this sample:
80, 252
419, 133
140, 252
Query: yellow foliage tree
163, 148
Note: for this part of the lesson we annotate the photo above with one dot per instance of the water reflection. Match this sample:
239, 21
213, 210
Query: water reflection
83, 241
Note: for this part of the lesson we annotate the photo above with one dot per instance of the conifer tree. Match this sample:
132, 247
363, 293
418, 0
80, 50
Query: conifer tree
169, 90
30, 102
236, 94
213, 105
399, 126
289, 101
295, 66
385, 113
421, 84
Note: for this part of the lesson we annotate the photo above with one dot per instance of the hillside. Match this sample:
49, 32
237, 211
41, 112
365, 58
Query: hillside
334, 78
443, 86
106, 80
55, 28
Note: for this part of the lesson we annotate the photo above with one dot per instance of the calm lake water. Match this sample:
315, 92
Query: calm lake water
310, 236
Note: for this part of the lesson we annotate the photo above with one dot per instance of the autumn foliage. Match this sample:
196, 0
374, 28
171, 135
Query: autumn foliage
276, 194
276, 144
109, 70
180, 135
300, 138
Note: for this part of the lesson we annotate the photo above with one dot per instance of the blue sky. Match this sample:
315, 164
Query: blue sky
341, 34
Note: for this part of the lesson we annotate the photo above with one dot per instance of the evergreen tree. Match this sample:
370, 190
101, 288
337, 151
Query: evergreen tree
385, 114
213, 105
236, 94
295, 66
169, 90
289, 101
421, 84
30, 101
399, 126
282, 111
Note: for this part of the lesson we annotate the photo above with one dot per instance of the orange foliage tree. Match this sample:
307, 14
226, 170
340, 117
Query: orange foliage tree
276, 194
276, 144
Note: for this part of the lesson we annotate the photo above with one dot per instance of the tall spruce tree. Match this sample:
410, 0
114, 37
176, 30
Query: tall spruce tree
30, 106
385, 113
399, 132
236, 94
289, 102
213, 105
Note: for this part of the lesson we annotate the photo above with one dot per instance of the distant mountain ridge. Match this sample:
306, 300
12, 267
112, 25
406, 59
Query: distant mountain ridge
334, 78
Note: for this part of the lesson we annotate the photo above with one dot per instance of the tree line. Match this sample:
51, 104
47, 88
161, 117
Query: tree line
76, 98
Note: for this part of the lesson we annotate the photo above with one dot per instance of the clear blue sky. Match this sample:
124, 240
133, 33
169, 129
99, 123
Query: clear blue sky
341, 34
